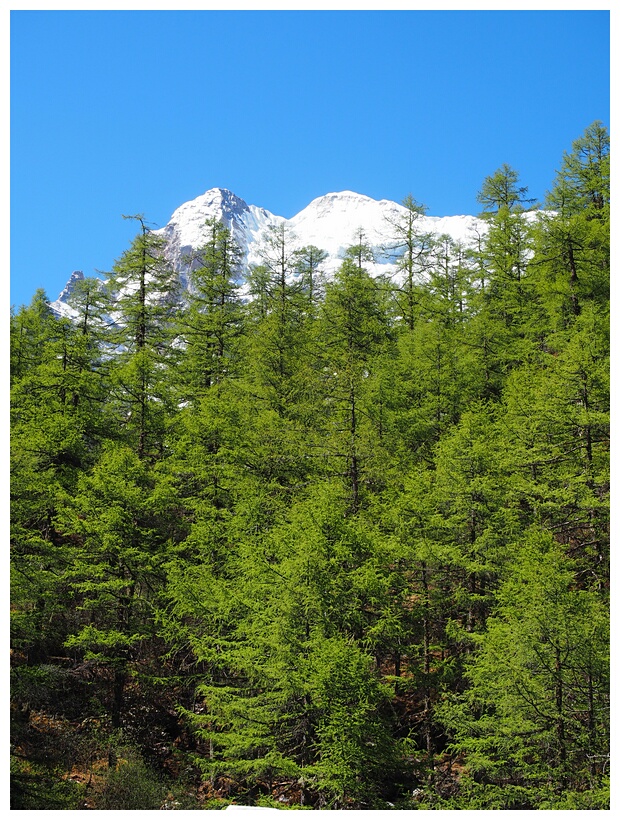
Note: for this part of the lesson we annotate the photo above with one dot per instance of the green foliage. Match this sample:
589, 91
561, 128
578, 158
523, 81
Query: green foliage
34, 788
211, 322
144, 295
501, 190
131, 785
536, 712
342, 544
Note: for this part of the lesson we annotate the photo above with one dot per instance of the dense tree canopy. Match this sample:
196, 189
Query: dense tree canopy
343, 543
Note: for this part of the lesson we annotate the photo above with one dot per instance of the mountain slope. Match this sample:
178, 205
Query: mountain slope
331, 222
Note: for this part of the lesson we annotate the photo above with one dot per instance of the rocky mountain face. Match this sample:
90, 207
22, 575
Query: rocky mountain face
331, 222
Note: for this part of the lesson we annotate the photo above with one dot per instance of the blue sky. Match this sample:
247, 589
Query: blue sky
137, 112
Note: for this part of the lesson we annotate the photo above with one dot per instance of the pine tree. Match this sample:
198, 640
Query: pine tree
120, 522
573, 250
557, 423
412, 246
504, 296
212, 322
307, 266
277, 333
144, 289
355, 327
290, 694
58, 422
534, 722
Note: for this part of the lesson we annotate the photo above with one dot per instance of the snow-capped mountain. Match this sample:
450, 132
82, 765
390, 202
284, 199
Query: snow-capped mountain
248, 225
331, 222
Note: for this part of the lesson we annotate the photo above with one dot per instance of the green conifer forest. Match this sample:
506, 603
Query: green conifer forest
341, 544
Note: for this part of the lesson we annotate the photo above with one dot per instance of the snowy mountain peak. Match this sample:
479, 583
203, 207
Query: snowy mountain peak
187, 230
331, 222
75, 277
217, 202
341, 201
228, 203
341, 197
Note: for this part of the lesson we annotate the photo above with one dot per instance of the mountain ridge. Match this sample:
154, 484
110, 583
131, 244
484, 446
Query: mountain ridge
331, 222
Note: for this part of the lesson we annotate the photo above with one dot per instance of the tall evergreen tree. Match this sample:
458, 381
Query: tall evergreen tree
505, 294
120, 523
412, 246
573, 250
307, 265
276, 337
534, 723
355, 327
144, 290
212, 322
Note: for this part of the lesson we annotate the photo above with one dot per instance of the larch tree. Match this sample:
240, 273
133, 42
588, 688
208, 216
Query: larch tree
411, 245
212, 322
143, 290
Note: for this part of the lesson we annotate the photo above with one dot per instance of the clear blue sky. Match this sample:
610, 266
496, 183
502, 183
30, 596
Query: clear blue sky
137, 112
